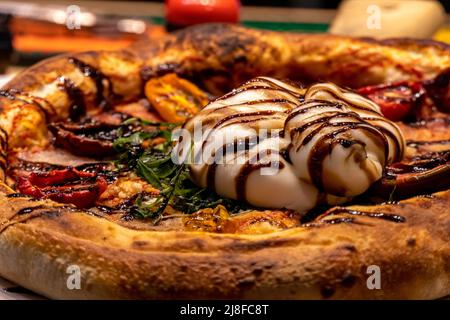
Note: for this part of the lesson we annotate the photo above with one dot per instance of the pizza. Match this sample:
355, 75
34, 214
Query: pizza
225, 162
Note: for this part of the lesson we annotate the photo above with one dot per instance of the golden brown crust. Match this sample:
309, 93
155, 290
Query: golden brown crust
328, 261
231, 55
325, 261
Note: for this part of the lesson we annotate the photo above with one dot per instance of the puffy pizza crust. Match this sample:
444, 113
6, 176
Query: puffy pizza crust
326, 261
330, 261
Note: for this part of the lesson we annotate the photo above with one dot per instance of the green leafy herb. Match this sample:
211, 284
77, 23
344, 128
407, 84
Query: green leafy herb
153, 163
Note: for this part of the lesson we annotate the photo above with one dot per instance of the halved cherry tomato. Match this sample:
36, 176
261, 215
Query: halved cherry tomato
396, 100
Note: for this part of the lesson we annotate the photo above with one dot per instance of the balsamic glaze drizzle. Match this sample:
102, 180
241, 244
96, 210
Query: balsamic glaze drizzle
77, 107
250, 166
99, 78
378, 215
28, 210
27, 213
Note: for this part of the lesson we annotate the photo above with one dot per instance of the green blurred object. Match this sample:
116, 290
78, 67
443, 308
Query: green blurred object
272, 25
288, 26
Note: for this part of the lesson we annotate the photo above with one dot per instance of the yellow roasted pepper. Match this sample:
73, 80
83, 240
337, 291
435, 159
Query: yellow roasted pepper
174, 98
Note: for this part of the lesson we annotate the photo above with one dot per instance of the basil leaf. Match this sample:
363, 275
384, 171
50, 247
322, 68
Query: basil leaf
147, 173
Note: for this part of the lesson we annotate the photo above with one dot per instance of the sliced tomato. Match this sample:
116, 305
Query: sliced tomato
396, 100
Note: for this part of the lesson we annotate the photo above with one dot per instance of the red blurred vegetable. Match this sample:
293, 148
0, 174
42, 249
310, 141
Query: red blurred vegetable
182, 13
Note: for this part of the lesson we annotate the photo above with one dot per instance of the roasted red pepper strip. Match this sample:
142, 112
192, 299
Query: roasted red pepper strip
396, 100
82, 193
58, 176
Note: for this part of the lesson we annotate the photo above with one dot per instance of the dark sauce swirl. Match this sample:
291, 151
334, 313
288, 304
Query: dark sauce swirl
99, 78
77, 108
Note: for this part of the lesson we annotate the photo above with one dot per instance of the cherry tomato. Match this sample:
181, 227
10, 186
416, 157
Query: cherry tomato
189, 12
396, 100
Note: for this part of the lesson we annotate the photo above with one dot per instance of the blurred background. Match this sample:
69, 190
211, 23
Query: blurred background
33, 30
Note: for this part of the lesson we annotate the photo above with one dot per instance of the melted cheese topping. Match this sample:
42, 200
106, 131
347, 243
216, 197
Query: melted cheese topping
276, 145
